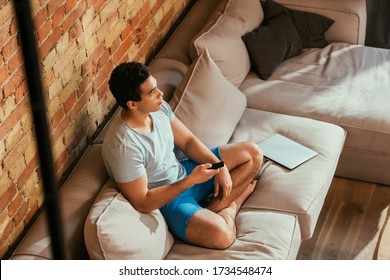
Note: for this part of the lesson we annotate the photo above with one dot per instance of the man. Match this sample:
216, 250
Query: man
138, 152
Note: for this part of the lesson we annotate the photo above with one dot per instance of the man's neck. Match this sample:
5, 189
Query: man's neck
138, 121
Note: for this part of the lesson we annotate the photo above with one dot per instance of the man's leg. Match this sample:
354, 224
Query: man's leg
215, 227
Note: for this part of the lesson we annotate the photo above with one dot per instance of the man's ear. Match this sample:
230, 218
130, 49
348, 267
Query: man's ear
131, 105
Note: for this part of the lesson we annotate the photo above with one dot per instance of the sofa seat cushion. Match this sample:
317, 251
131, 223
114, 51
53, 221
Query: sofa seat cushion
114, 230
348, 85
260, 235
300, 191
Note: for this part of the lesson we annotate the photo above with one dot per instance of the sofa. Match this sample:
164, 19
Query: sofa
334, 99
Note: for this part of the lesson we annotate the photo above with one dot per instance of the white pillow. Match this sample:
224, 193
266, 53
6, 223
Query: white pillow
222, 37
114, 230
207, 103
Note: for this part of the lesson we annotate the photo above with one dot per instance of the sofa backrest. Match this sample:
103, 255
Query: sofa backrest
171, 63
350, 17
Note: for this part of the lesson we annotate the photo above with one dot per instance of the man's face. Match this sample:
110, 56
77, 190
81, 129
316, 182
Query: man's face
151, 96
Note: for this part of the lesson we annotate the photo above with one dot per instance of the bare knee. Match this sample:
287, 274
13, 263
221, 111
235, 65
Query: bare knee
255, 156
223, 238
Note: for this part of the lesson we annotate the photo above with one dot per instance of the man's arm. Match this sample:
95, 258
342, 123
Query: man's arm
145, 200
186, 141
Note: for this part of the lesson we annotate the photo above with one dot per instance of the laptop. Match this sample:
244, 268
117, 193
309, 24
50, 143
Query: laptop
285, 151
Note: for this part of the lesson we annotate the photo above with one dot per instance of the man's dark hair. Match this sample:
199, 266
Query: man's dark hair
125, 82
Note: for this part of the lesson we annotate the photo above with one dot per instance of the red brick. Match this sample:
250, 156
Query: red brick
80, 104
4, 74
53, 6
70, 102
59, 131
102, 90
157, 6
76, 31
102, 75
21, 91
44, 30
31, 167
15, 204
145, 10
58, 16
122, 51
4, 33
59, 164
19, 216
104, 59
7, 197
57, 118
41, 17
50, 42
16, 60
115, 46
135, 21
10, 48
4, 237
75, 15
70, 4
14, 82
13, 118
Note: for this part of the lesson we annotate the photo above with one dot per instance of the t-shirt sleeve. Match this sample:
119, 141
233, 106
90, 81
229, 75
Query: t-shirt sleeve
126, 164
167, 110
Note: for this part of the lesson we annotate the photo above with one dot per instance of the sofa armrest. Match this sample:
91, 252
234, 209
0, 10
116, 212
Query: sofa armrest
350, 17
76, 195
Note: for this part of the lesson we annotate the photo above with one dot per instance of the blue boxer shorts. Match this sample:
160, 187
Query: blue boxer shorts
178, 212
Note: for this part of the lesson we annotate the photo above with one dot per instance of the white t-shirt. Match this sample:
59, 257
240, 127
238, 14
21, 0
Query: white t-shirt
128, 154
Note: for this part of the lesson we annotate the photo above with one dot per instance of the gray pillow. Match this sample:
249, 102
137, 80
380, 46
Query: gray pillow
207, 103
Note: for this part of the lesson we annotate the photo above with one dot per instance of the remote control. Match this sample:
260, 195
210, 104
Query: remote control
217, 165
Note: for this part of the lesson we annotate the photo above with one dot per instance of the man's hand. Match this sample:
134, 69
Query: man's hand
202, 173
223, 181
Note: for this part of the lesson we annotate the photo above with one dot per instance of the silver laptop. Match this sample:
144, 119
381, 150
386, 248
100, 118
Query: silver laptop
285, 151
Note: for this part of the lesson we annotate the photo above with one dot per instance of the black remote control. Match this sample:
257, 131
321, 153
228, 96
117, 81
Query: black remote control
217, 165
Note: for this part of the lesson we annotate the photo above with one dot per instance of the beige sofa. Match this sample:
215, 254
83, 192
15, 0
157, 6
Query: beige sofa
317, 98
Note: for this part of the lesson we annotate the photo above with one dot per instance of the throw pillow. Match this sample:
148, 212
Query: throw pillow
222, 37
271, 44
311, 27
114, 230
207, 103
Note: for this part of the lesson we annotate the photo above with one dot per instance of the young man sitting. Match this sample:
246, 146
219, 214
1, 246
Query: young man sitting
138, 152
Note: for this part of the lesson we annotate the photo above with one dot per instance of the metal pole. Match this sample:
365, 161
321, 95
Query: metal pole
31, 63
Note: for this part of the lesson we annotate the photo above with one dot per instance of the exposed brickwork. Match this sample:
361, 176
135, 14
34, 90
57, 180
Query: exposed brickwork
80, 41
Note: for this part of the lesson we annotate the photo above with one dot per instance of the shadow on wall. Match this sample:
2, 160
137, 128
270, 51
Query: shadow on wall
378, 27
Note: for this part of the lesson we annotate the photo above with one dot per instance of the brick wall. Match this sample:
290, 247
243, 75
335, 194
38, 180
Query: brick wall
80, 41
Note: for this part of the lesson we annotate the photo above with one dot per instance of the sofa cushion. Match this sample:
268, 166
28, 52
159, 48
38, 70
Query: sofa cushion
207, 103
222, 37
272, 43
311, 27
261, 235
344, 84
300, 191
114, 230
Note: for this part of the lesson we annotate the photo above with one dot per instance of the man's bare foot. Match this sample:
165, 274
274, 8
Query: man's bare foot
217, 204
245, 194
